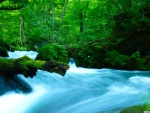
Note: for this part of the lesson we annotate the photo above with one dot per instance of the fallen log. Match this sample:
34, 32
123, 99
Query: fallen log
28, 67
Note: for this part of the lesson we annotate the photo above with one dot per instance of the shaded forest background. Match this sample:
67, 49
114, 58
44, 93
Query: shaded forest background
97, 33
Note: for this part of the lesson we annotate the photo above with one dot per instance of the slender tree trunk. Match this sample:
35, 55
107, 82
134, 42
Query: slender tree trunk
53, 23
82, 17
48, 38
53, 17
81, 23
22, 36
63, 11
62, 15
49, 26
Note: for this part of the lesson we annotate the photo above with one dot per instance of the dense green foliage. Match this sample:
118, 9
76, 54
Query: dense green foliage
89, 56
61, 21
12, 4
97, 33
135, 109
52, 52
113, 57
115, 32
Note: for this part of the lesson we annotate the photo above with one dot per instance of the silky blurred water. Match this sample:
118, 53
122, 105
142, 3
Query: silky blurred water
81, 90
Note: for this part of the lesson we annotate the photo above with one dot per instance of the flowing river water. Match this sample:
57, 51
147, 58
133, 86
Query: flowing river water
81, 90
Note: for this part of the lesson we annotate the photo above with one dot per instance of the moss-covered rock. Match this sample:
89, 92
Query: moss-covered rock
89, 56
53, 52
92, 56
28, 67
3, 52
135, 109
13, 83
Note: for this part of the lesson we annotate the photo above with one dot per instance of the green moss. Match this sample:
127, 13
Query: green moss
8, 62
22, 64
28, 67
25, 65
52, 52
38, 64
135, 109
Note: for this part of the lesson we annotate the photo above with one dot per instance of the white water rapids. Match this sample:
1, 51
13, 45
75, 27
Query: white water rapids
81, 90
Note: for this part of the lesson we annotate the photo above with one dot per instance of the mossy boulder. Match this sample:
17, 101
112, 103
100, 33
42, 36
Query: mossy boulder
28, 67
89, 56
53, 52
3, 52
135, 109
13, 83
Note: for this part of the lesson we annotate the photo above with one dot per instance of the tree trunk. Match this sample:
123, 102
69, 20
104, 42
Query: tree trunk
53, 23
22, 36
53, 17
29, 67
82, 16
61, 16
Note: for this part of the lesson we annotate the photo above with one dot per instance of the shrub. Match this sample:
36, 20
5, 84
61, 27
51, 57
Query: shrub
114, 58
89, 56
52, 52
136, 56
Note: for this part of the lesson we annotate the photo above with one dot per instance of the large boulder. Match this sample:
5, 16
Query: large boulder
89, 56
53, 52
136, 109
13, 83
3, 52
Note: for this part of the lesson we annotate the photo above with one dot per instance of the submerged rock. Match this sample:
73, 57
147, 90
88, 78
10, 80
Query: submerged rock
13, 83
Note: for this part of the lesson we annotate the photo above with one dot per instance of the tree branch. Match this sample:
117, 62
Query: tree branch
13, 7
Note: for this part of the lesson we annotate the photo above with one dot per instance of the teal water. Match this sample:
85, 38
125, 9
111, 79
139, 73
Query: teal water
81, 90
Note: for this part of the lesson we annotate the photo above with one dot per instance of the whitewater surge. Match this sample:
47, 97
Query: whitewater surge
81, 90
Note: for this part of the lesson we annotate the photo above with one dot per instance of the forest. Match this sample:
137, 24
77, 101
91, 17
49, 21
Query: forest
96, 33
107, 33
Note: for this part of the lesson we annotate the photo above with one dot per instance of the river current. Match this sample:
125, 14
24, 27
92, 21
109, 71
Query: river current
81, 90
